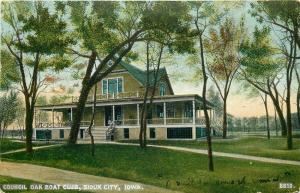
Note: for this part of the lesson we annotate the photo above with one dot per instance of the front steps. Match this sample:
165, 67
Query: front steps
99, 134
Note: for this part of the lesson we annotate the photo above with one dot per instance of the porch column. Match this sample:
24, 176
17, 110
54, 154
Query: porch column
71, 114
165, 114
194, 121
113, 118
35, 121
210, 115
138, 114
52, 118
194, 113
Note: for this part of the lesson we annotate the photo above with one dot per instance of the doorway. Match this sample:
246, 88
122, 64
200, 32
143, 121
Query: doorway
108, 115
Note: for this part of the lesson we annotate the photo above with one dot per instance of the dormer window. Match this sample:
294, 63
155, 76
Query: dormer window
162, 89
112, 85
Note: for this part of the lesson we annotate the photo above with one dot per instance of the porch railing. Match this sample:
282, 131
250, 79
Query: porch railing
129, 122
60, 124
184, 120
121, 95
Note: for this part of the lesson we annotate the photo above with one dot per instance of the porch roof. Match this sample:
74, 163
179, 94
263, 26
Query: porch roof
127, 101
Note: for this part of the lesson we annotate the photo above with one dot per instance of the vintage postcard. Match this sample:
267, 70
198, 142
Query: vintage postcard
150, 96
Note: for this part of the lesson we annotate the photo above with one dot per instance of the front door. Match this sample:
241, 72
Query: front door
108, 115
118, 114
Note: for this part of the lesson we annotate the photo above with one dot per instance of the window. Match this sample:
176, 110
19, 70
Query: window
188, 109
179, 133
170, 110
43, 134
160, 111
81, 133
200, 132
152, 133
120, 85
61, 134
162, 89
112, 85
104, 86
126, 133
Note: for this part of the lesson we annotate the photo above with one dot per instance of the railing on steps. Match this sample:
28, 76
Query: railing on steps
110, 132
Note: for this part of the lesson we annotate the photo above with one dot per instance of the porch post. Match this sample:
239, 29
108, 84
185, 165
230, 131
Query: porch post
165, 114
210, 115
71, 114
113, 118
194, 116
138, 114
35, 118
52, 118
194, 121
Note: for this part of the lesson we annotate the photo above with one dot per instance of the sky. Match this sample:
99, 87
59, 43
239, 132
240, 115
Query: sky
239, 103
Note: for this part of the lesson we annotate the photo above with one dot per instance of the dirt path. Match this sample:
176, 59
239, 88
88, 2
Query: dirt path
49, 175
23, 149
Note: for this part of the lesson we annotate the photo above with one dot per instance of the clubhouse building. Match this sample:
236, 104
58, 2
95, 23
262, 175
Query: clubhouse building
118, 105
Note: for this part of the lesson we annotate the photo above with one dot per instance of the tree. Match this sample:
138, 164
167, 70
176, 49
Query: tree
107, 33
153, 60
9, 105
285, 16
254, 92
264, 98
202, 19
223, 47
261, 69
35, 40
298, 94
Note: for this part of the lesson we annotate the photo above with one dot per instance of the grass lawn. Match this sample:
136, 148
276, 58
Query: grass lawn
257, 146
9, 180
182, 171
9, 145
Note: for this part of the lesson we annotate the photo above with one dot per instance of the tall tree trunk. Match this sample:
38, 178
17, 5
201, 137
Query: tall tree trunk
267, 115
279, 110
207, 121
78, 114
298, 97
225, 118
92, 123
276, 125
28, 125
298, 105
289, 118
143, 121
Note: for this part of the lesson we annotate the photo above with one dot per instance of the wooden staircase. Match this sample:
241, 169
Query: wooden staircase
101, 133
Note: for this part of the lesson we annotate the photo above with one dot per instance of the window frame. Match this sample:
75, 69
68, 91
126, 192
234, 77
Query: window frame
179, 133
117, 78
152, 130
164, 88
61, 134
125, 130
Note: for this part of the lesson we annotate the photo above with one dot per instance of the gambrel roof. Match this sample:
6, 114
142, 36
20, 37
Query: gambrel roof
141, 75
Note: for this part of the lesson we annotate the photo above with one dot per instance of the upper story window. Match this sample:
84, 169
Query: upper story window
162, 89
112, 85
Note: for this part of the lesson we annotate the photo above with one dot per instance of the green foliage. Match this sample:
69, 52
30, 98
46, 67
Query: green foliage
9, 105
33, 30
222, 47
258, 55
58, 99
9, 72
